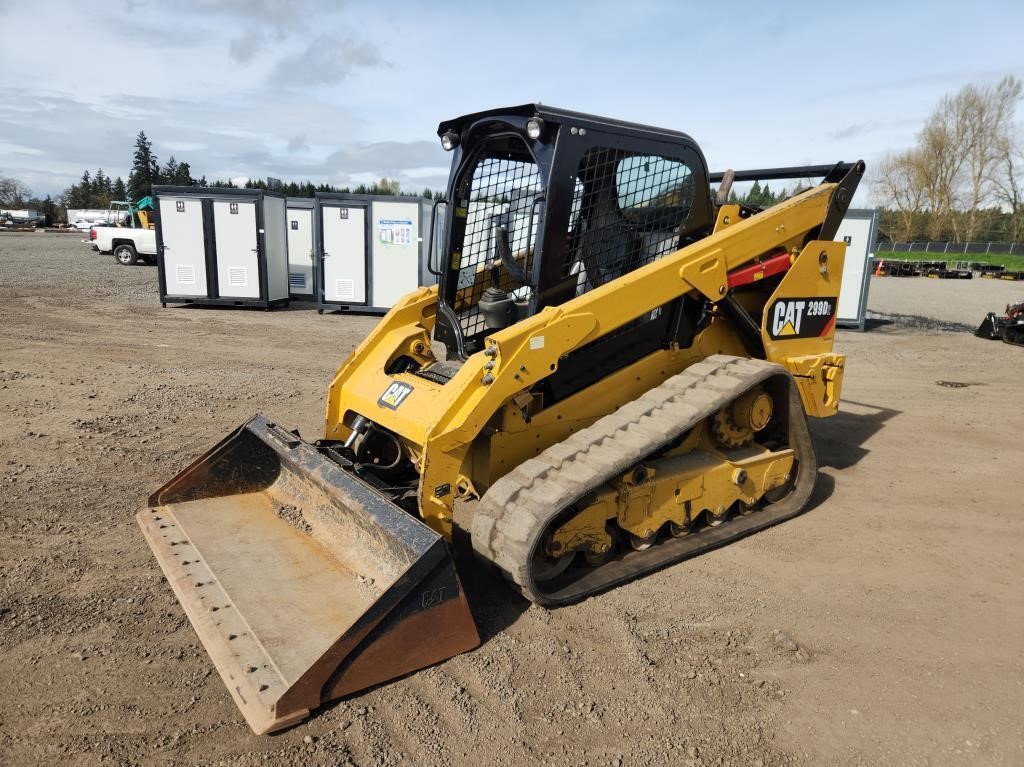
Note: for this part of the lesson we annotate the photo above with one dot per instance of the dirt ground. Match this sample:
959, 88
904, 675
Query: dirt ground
884, 626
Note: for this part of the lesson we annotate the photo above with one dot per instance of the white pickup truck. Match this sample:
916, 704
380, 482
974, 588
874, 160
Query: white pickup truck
128, 244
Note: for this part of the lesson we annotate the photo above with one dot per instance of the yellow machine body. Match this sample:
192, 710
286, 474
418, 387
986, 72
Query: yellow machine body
469, 432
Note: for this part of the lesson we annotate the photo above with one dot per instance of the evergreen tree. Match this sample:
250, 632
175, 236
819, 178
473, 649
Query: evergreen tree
49, 211
80, 194
169, 173
101, 190
183, 175
99, 181
119, 192
754, 194
145, 170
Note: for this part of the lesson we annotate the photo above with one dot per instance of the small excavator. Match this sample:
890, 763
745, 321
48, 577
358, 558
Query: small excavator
612, 374
132, 214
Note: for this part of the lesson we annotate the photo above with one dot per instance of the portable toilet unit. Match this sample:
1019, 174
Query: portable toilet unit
301, 222
859, 230
371, 250
225, 247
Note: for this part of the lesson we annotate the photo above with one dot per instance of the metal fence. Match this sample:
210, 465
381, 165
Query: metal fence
952, 248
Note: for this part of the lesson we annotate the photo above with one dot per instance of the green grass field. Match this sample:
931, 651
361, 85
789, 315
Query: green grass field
1012, 263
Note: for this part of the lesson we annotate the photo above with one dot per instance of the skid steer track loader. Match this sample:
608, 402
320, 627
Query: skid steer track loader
1009, 327
611, 375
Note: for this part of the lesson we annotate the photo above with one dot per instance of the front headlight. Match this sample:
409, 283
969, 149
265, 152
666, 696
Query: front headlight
535, 128
449, 140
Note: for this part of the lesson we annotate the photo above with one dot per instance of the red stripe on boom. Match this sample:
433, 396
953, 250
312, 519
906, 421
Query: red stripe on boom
748, 275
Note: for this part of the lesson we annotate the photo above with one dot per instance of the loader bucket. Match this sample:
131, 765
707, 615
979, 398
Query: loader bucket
987, 329
303, 583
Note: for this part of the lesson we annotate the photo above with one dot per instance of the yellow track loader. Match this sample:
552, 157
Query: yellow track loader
611, 375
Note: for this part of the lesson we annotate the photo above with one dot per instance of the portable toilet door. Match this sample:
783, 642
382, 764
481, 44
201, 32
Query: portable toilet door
859, 230
237, 244
300, 248
182, 255
342, 273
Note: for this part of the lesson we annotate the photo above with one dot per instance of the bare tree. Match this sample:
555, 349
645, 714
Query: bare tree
1009, 184
940, 148
13, 193
897, 183
959, 166
989, 115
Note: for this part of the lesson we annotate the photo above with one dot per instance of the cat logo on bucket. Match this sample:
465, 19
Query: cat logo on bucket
801, 318
394, 395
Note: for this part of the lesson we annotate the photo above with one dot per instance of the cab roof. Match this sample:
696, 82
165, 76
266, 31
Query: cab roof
558, 116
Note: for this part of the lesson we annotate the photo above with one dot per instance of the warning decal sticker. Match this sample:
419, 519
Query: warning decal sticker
394, 395
801, 318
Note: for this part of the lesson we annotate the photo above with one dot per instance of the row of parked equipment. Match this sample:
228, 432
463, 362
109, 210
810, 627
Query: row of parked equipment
944, 270
251, 247
1002, 273
935, 269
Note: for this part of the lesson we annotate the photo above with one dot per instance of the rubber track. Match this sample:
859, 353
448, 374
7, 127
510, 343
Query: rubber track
513, 515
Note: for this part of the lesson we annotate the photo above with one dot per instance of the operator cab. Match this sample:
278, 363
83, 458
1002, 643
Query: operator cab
546, 204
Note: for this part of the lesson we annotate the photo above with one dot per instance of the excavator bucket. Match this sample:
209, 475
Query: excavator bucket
304, 583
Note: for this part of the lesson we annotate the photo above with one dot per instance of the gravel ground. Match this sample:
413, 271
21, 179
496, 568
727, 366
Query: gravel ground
884, 626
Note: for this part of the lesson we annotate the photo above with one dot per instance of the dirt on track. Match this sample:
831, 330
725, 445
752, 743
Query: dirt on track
884, 626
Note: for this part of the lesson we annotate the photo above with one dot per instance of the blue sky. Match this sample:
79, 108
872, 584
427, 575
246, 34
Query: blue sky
347, 92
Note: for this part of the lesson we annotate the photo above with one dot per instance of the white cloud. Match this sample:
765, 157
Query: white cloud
327, 60
243, 49
6, 148
430, 172
183, 146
